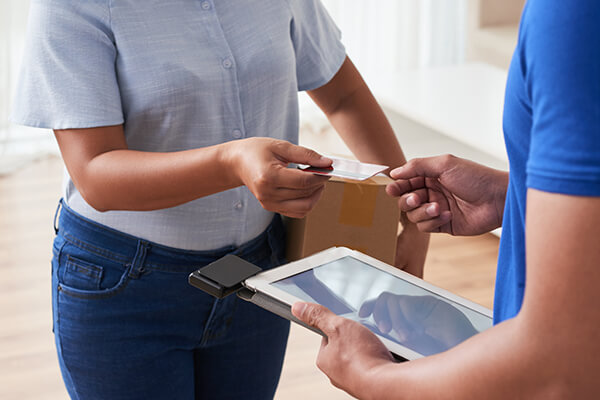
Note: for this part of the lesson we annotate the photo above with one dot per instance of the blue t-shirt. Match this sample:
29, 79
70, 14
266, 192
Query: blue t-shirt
551, 124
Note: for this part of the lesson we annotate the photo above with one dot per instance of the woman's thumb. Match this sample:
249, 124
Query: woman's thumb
303, 155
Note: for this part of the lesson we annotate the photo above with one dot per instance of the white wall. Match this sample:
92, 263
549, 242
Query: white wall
386, 36
16, 143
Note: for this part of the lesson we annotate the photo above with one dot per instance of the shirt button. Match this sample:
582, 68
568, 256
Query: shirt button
238, 205
236, 133
205, 5
227, 63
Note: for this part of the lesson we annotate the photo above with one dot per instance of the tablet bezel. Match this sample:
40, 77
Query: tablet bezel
262, 283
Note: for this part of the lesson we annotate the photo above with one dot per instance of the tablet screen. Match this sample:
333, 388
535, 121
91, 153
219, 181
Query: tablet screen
394, 308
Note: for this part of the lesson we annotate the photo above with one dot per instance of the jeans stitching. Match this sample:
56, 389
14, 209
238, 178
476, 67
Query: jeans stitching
55, 278
139, 260
119, 258
60, 345
79, 266
97, 294
150, 265
92, 295
206, 334
56, 324
96, 250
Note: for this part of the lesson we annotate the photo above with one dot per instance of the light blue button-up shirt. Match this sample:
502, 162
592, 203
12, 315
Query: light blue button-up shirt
178, 74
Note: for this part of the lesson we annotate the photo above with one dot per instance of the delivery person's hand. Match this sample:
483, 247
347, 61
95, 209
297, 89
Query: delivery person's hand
261, 165
424, 323
450, 194
351, 355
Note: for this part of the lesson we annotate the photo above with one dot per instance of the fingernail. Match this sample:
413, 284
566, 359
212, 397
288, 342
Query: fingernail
412, 201
323, 158
383, 327
298, 308
396, 171
431, 211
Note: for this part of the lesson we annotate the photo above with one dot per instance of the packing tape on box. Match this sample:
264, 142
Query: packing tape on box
358, 204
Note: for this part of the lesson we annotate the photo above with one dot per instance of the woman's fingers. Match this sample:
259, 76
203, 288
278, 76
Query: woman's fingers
298, 208
292, 178
280, 194
291, 153
288, 191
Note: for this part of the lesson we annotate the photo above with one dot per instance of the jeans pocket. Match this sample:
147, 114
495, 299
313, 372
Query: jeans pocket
84, 274
81, 274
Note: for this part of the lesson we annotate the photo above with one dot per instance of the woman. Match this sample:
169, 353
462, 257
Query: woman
176, 121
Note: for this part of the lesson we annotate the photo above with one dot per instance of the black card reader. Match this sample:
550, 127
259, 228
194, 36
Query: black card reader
224, 276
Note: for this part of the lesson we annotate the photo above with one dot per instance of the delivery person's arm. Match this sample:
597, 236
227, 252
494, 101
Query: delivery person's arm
550, 350
359, 120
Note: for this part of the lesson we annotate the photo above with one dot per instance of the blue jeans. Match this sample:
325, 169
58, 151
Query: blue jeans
128, 325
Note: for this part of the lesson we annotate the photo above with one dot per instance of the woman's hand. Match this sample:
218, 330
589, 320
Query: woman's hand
450, 194
261, 165
351, 355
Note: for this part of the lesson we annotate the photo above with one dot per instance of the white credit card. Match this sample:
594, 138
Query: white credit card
344, 168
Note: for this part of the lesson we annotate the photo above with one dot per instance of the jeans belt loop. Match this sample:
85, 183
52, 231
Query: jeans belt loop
57, 216
137, 266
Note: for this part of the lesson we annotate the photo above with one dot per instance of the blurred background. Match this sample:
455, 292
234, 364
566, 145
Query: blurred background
440, 64
438, 68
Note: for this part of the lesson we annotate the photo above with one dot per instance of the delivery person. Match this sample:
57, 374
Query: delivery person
545, 344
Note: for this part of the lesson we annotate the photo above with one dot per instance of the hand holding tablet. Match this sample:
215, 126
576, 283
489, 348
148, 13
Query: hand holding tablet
410, 316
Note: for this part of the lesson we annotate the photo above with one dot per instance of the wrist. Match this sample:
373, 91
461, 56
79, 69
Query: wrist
230, 161
501, 188
375, 384
501, 183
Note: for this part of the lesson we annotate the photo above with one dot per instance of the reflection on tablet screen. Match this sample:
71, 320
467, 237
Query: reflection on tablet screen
389, 306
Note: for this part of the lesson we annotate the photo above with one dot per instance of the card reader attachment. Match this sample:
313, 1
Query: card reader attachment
224, 276
227, 275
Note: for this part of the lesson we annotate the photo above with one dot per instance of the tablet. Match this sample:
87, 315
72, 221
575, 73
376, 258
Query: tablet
412, 318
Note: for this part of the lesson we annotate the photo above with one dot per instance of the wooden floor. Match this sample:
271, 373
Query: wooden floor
28, 364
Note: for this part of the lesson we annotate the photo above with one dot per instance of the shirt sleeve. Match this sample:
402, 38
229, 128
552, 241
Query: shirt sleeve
562, 73
316, 39
67, 78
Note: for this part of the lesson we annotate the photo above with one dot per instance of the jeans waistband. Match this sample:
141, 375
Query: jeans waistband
118, 246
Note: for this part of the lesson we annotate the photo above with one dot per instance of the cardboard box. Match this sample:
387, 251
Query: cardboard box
354, 214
